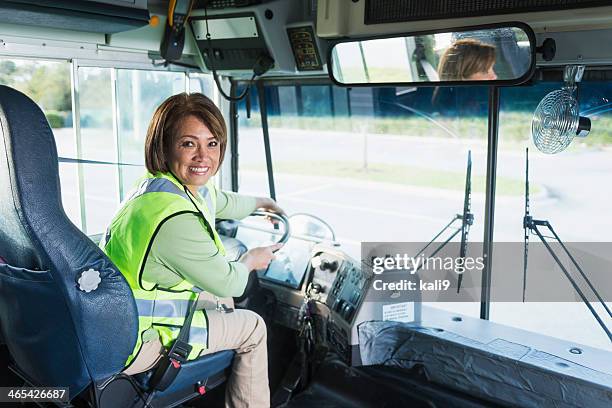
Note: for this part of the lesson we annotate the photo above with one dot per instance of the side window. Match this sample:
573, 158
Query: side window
48, 84
138, 95
202, 83
98, 142
113, 110
113, 130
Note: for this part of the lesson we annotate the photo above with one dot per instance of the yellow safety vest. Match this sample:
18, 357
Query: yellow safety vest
128, 241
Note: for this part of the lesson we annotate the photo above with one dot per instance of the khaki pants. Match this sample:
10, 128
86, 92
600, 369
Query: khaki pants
243, 331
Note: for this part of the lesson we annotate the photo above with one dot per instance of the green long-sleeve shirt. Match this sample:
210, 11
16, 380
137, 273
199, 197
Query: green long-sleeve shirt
183, 249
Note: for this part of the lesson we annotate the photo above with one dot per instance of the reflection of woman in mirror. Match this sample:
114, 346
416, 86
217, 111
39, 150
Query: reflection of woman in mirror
467, 60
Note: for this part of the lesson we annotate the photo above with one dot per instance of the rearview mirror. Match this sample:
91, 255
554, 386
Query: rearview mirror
501, 53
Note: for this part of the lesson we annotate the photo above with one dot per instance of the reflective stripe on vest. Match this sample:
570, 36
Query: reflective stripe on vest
162, 308
128, 241
156, 185
196, 334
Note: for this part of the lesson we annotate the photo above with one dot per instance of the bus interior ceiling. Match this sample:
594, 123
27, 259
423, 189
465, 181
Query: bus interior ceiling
392, 155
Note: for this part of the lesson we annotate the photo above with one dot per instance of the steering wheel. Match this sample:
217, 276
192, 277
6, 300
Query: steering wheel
279, 217
253, 282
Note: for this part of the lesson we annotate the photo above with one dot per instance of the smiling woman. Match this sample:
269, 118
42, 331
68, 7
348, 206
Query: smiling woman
164, 242
195, 154
201, 138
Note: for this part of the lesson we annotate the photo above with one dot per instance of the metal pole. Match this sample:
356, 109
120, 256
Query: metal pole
76, 124
298, 100
348, 102
487, 251
116, 133
332, 103
233, 133
266, 136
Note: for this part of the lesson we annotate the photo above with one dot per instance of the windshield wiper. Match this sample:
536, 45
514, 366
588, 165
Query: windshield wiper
531, 225
467, 219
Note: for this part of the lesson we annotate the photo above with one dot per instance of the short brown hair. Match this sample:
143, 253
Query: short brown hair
165, 123
465, 58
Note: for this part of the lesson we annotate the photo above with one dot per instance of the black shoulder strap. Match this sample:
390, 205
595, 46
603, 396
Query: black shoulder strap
169, 365
184, 333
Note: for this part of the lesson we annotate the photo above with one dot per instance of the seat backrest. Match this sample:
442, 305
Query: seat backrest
57, 333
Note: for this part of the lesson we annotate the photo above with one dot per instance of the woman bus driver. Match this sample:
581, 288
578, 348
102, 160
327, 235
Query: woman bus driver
467, 60
164, 242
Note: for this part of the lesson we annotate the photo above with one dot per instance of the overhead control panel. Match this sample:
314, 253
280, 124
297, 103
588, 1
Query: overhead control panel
305, 48
229, 42
395, 11
240, 33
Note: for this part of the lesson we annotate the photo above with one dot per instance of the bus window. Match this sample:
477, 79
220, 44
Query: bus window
100, 182
139, 93
114, 107
252, 158
570, 189
379, 164
48, 84
113, 129
202, 83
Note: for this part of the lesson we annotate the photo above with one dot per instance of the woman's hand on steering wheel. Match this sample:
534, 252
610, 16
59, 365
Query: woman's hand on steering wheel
268, 204
260, 257
278, 219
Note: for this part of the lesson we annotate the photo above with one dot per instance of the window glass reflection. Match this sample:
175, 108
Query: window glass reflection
48, 84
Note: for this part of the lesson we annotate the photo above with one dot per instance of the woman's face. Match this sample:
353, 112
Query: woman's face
195, 152
488, 75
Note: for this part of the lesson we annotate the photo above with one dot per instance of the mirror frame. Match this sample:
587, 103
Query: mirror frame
496, 82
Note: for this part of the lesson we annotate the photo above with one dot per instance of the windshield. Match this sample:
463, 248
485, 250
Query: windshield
572, 191
389, 164
378, 164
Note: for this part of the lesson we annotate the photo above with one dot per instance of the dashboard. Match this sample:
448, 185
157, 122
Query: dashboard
335, 282
344, 282
290, 265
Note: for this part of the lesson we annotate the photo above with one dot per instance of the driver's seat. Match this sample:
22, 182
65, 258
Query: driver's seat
59, 330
